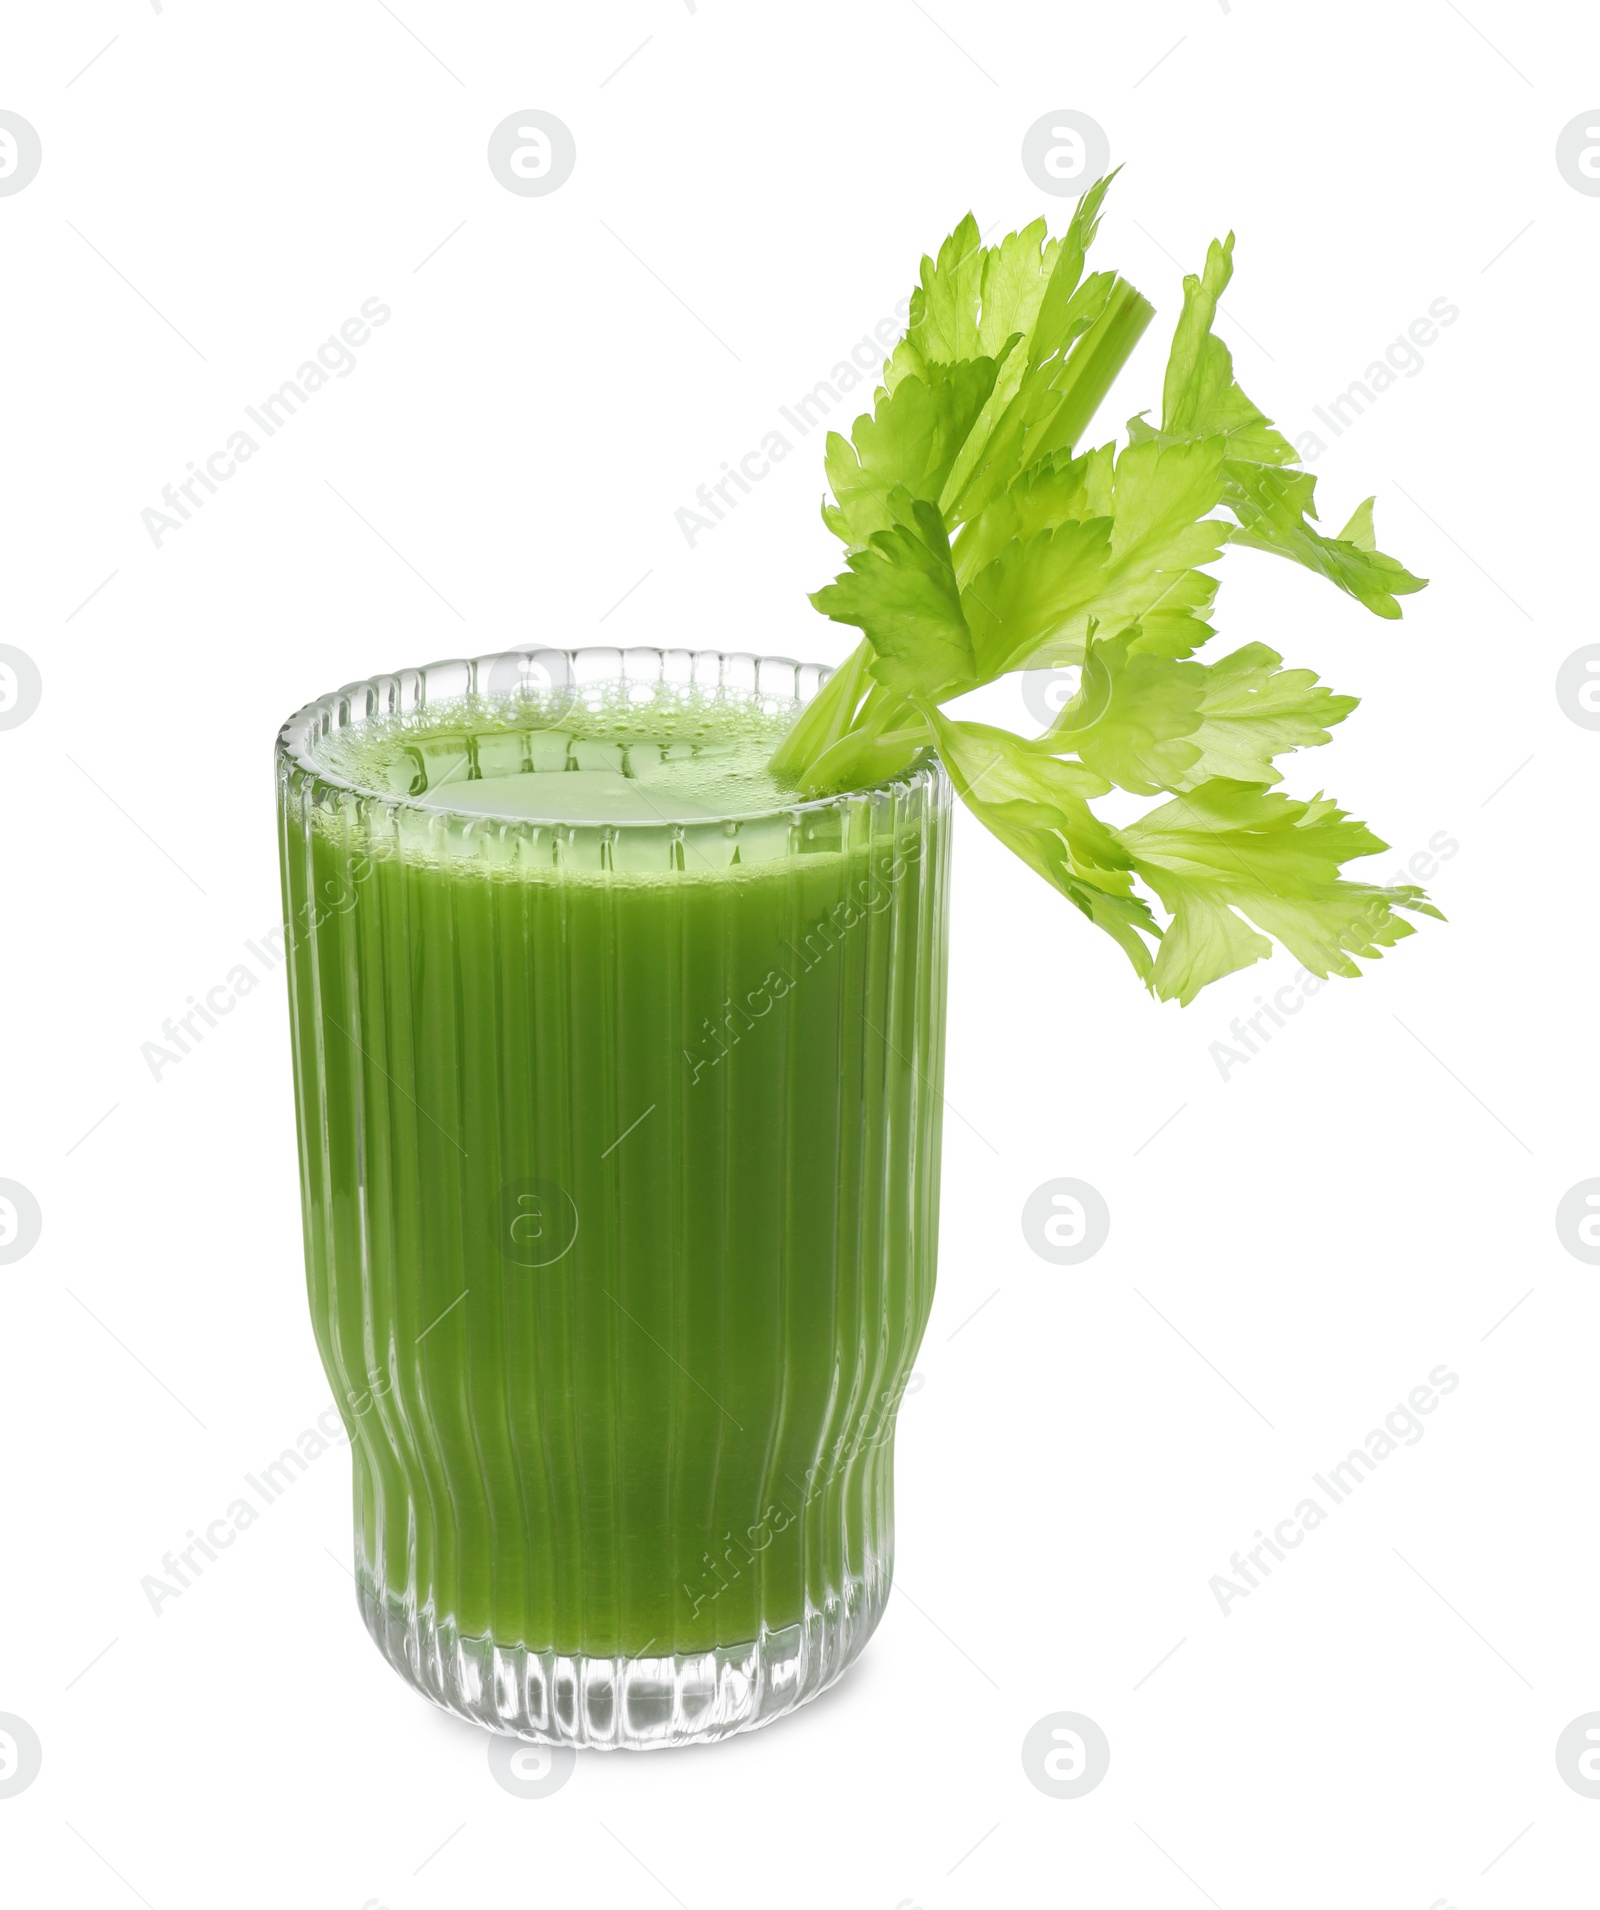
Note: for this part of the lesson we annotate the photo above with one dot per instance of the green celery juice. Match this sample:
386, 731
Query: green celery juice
618, 1074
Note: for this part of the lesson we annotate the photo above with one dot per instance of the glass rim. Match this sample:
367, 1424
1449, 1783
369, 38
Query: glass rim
743, 674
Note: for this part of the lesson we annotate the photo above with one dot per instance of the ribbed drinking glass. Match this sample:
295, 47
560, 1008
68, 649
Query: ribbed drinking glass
619, 1150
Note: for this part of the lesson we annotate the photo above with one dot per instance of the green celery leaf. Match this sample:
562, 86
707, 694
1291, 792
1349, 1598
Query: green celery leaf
1175, 624
1034, 602
945, 308
1059, 339
1200, 397
973, 298
1150, 723
1038, 807
1252, 709
1035, 592
1274, 509
900, 591
1144, 739
1229, 847
1059, 488
1035, 407
1101, 558
911, 438
1273, 503
1160, 531
1204, 941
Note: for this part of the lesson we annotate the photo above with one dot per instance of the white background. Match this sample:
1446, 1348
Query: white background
1290, 1254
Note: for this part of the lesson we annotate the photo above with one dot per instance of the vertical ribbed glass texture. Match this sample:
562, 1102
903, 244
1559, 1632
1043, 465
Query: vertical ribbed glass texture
619, 1152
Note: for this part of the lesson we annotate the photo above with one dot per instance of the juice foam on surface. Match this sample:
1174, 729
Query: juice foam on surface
602, 759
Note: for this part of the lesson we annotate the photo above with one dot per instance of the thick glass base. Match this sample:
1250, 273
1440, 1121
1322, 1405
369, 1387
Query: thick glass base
626, 1704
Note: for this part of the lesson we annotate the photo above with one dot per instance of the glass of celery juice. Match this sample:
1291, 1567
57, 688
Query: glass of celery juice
618, 1074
